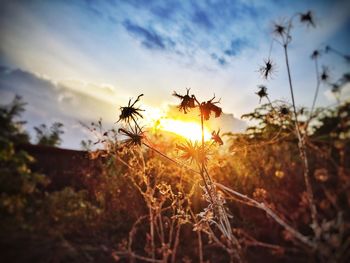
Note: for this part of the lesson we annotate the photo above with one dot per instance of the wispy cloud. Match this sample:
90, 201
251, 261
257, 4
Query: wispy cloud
236, 46
149, 37
220, 60
201, 18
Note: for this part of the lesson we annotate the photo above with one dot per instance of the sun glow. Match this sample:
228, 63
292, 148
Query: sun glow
158, 119
189, 130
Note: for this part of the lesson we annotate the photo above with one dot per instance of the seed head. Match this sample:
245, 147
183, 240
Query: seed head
316, 54
187, 101
193, 151
279, 29
324, 74
267, 69
207, 107
284, 110
215, 136
133, 138
335, 88
262, 92
130, 112
307, 18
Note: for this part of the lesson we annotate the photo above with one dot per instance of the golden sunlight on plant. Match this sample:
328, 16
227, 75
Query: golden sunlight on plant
188, 130
179, 182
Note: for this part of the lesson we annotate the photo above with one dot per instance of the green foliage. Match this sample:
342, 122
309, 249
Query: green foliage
11, 128
49, 136
19, 186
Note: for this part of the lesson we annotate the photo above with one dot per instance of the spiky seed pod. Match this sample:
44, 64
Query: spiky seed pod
267, 69
262, 92
193, 151
133, 138
284, 111
279, 29
325, 74
307, 18
315, 54
130, 112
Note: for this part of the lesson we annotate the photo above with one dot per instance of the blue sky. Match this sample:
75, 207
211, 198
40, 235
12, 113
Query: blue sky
113, 50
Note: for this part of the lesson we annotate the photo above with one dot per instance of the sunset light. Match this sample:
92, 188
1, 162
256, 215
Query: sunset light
189, 130
175, 131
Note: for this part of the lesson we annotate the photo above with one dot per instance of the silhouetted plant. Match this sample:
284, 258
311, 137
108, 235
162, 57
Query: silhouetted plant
49, 136
282, 32
12, 128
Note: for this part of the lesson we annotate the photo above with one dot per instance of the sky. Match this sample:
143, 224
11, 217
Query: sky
80, 60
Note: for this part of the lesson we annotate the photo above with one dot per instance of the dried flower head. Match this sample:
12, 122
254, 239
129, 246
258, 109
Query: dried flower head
262, 92
335, 88
193, 151
208, 107
307, 18
284, 110
324, 74
215, 136
187, 101
316, 54
279, 29
267, 69
130, 112
133, 138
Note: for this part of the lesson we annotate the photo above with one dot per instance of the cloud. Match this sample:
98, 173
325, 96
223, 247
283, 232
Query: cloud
50, 101
220, 60
150, 39
236, 46
166, 11
202, 19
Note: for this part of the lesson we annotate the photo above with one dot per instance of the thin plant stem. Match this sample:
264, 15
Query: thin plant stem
200, 247
318, 83
151, 220
176, 243
302, 149
224, 225
269, 212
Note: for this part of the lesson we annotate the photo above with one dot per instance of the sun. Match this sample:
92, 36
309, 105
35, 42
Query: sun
189, 130
186, 128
